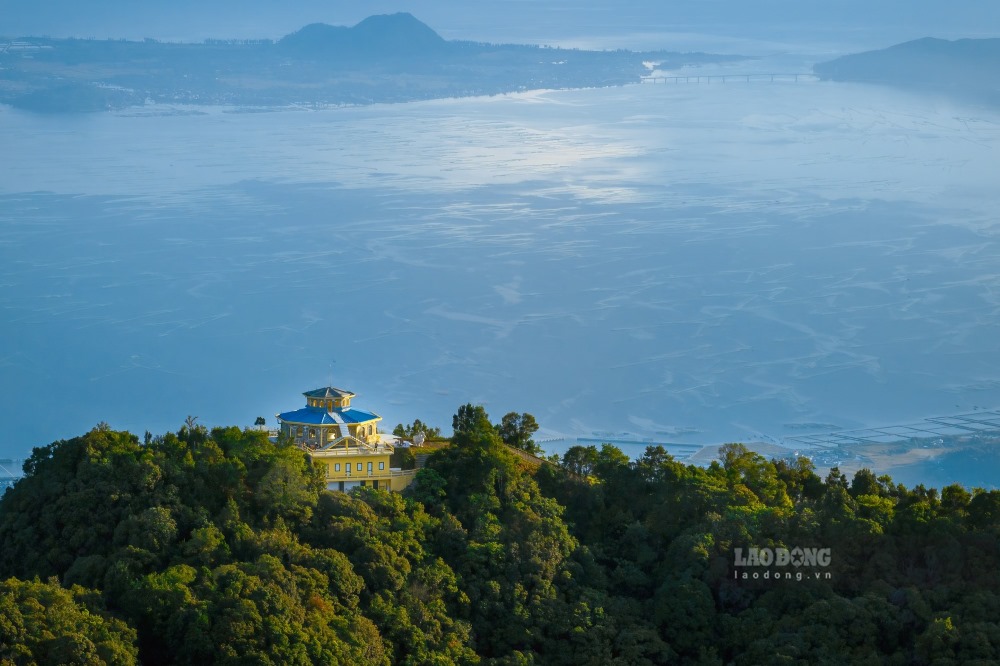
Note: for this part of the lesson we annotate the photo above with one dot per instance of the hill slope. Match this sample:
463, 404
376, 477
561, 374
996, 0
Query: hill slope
220, 547
387, 36
968, 68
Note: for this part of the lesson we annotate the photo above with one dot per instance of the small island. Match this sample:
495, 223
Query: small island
383, 59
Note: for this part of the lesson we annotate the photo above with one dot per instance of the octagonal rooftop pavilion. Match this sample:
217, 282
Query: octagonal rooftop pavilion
344, 440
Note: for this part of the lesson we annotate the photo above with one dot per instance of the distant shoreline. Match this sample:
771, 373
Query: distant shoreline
963, 68
383, 59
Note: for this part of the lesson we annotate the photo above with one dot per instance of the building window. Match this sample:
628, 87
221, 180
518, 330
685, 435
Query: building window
369, 469
336, 467
359, 467
381, 466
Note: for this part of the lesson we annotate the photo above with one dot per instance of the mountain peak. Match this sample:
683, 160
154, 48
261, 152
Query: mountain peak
399, 22
385, 34
400, 31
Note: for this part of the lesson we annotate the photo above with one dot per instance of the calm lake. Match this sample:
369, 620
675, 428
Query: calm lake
682, 262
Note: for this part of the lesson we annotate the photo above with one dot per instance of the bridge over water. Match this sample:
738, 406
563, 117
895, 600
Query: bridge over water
731, 78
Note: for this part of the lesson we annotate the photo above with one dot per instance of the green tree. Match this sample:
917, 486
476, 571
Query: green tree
42, 623
417, 427
580, 460
470, 419
865, 483
222, 547
517, 429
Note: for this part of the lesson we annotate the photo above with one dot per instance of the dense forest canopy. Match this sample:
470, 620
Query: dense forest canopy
221, 547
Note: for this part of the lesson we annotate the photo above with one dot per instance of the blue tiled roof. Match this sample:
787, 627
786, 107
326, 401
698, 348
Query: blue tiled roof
328, 392
314, 416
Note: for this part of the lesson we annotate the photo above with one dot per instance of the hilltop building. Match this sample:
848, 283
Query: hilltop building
343, 439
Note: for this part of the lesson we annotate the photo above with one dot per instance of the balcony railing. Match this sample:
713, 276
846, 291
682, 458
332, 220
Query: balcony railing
374, 474
346, 445
384, 450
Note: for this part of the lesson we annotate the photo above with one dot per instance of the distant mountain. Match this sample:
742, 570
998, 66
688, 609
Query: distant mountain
386, 58
388, 35
969, 68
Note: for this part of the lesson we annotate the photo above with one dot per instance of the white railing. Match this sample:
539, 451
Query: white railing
355, 451
346, 445
402, 472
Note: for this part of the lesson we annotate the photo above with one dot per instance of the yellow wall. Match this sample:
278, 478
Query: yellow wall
402, 480
387, 479
342, 460
329, 403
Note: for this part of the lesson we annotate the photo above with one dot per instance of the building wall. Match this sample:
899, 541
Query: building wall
329, 403
402, 480
336, 465
336, 473
396, 483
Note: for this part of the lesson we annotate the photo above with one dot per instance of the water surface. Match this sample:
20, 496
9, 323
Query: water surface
693, 263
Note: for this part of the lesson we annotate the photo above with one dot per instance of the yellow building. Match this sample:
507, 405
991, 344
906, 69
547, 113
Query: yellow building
344, 440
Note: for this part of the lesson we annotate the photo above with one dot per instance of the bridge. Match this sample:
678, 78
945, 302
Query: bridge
10, 472
731, 78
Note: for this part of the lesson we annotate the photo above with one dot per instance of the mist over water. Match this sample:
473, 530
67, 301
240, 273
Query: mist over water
761, 27
692, 263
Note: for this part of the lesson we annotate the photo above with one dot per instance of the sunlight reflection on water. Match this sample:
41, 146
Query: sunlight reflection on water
699, 262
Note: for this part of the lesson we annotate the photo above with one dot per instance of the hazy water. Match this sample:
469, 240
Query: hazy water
692, 263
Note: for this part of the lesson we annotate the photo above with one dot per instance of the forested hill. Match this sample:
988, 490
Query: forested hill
969, 68
384, 36
393, 58
219, 547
